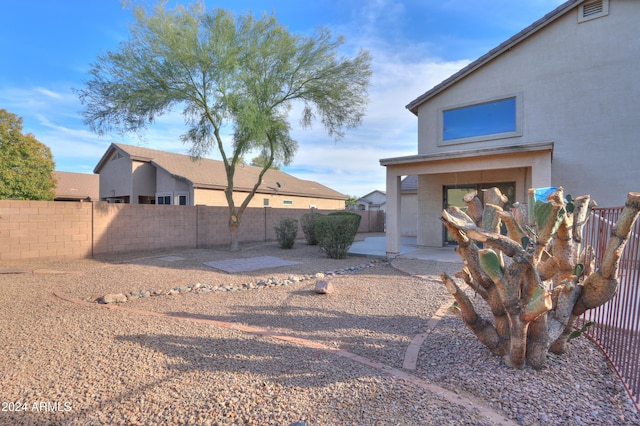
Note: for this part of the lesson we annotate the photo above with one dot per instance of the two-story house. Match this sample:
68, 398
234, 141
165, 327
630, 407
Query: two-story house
138, 175
557, 104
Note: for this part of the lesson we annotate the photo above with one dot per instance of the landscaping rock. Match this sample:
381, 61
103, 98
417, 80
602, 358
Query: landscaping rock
113, 298
324, 287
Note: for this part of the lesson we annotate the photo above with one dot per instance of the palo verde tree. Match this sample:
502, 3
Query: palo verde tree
239, 72
26, 165
550, 278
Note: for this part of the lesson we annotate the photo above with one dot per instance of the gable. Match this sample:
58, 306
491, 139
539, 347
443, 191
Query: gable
506, 46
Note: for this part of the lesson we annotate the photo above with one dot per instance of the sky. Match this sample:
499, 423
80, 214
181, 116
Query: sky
47, 48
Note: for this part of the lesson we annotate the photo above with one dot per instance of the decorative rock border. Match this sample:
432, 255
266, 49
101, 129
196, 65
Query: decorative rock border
252, 285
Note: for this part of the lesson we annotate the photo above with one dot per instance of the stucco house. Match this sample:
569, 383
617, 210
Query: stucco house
375, 201
137, 175
555, 105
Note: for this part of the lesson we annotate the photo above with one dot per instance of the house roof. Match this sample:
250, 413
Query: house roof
494, 53
210, 174
409, 183
469, 153
77, 186
374, 198
377, 191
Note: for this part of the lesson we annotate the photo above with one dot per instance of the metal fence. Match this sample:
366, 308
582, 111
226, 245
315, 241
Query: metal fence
617, 323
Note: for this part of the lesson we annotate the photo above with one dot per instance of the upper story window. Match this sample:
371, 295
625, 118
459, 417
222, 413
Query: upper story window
481, 121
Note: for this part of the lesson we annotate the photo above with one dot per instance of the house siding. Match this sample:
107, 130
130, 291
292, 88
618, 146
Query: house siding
143, 180
577, 84
577, 126
217, 198
116, 178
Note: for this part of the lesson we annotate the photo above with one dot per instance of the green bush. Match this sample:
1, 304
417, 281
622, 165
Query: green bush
286, 232
308, 224
336, 232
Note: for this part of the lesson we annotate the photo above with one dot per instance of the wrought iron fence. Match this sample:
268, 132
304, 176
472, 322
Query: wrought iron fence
617, 323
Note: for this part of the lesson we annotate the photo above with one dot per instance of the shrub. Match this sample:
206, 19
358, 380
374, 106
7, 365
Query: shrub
308, 224
286, 232
336, 232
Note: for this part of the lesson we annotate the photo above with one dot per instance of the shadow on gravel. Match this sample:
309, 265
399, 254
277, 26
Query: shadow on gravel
379, 337
266, 359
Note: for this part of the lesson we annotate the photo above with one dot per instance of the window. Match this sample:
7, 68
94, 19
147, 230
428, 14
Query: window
183, 199
476, 121
164, 199
287, 202
593, 9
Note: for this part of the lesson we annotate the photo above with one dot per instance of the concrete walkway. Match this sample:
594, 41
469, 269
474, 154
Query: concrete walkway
376, 246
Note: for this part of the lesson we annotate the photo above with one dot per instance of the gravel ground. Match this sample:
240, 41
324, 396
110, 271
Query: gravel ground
82, 364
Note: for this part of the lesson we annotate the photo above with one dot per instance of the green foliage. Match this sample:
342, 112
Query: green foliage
261, 161
308, 223
351, 201
490, 263
26, 165
336, 232
543, 211
240, 72
286, 232
570, 207
578, 270
577, 333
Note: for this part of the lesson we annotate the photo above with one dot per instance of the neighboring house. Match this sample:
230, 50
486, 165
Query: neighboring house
72, 186
374, 201
136, 175
555, 105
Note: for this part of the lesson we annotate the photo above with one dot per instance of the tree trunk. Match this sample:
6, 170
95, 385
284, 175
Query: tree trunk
234, 224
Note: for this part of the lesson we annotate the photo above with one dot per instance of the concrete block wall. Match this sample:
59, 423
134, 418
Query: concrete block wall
41, 229
44, 229
138, 227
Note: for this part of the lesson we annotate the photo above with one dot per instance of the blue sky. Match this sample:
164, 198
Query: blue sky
47, 47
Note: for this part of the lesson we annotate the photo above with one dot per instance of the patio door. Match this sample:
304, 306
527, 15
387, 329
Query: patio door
452, 196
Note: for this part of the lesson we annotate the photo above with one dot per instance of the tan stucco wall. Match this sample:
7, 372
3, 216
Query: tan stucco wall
217, 198
409, 212
116, 178
144, 180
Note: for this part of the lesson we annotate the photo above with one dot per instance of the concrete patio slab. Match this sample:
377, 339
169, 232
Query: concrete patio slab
249, 264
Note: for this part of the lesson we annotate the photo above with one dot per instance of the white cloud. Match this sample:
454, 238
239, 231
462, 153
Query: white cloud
49, 93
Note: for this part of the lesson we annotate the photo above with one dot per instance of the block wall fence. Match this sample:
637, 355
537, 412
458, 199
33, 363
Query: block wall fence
57, 229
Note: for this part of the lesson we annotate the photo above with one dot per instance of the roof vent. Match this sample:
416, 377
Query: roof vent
592, 10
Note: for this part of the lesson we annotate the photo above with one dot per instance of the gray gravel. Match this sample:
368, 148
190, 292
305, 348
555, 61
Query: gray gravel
69, 363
